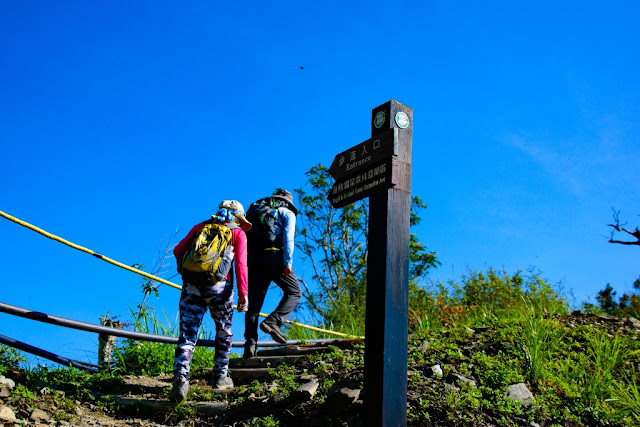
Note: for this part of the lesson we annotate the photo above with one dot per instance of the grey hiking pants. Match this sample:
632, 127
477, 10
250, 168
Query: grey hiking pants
198, 294
265, 266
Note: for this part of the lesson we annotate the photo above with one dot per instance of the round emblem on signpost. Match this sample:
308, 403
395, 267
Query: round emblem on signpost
379, 119
402, 120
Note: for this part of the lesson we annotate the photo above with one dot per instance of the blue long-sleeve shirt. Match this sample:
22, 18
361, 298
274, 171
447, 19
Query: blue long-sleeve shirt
285, 227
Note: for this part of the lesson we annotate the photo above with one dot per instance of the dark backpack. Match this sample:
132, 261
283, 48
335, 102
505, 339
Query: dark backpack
209, 250
263, 215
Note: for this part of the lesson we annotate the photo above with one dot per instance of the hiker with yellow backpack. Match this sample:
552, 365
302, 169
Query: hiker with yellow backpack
205, 259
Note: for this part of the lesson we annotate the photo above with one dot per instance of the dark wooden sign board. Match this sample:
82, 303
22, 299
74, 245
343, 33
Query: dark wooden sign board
354, 187
364, 154
389, 192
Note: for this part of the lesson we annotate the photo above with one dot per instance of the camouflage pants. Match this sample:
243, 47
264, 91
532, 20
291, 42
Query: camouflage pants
198, 294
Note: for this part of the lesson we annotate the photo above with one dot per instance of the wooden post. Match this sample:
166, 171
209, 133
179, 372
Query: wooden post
380, 168
106, 343
386, 324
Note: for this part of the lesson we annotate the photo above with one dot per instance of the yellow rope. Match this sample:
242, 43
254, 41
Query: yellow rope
140, 272
313, 328
89, 251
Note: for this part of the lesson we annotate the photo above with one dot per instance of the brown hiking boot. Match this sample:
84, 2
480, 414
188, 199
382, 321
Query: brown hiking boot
270, 326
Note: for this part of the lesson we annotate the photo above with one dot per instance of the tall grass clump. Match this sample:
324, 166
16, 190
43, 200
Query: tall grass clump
135, 357
605, 370
535, 327
627, 398
596, 374
539, 336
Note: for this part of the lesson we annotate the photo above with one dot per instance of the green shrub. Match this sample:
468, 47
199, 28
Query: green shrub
10, 357
144, 358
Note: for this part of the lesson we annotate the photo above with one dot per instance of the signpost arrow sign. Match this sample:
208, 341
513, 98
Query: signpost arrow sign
358, 185
365, 154
387, 173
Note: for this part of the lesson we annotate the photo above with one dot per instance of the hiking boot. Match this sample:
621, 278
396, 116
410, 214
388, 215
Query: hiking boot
222, 382
270, 326
249, 350
179, 391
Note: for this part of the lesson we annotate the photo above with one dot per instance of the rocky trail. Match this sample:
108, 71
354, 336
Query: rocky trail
142, 401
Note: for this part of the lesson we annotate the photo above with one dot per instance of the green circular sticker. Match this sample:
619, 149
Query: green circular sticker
379, 119
402, 120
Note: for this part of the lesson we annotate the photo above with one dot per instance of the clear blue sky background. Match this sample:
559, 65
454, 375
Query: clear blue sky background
122, 122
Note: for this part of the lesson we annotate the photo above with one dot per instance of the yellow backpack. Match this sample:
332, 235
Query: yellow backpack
207, 248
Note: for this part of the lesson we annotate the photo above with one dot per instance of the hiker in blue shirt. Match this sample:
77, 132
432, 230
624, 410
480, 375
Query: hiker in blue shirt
270, 259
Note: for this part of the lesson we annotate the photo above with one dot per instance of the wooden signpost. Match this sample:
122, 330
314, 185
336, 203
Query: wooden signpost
380, 168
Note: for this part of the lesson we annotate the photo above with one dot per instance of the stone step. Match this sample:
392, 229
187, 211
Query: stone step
264, 361
250, 373
205, 408
236, 374
313, 348
245, 375
241, 370
293, 350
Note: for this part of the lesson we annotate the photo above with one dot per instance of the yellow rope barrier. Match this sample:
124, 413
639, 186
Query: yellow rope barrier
140, 272
89, 251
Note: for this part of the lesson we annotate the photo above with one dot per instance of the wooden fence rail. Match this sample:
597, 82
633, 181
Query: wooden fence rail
102, 330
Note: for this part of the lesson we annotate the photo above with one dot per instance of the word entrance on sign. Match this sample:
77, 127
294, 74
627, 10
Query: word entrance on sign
364, 154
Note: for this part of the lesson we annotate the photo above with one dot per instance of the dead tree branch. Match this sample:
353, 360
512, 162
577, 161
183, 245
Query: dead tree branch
621, 229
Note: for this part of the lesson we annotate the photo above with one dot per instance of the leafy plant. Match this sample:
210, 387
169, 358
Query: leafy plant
10, 357
284, 376
268, 421
24, 393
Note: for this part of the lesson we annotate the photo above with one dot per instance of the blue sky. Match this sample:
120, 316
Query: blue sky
122, 122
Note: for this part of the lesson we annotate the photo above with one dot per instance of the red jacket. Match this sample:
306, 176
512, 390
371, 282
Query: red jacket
239, 242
